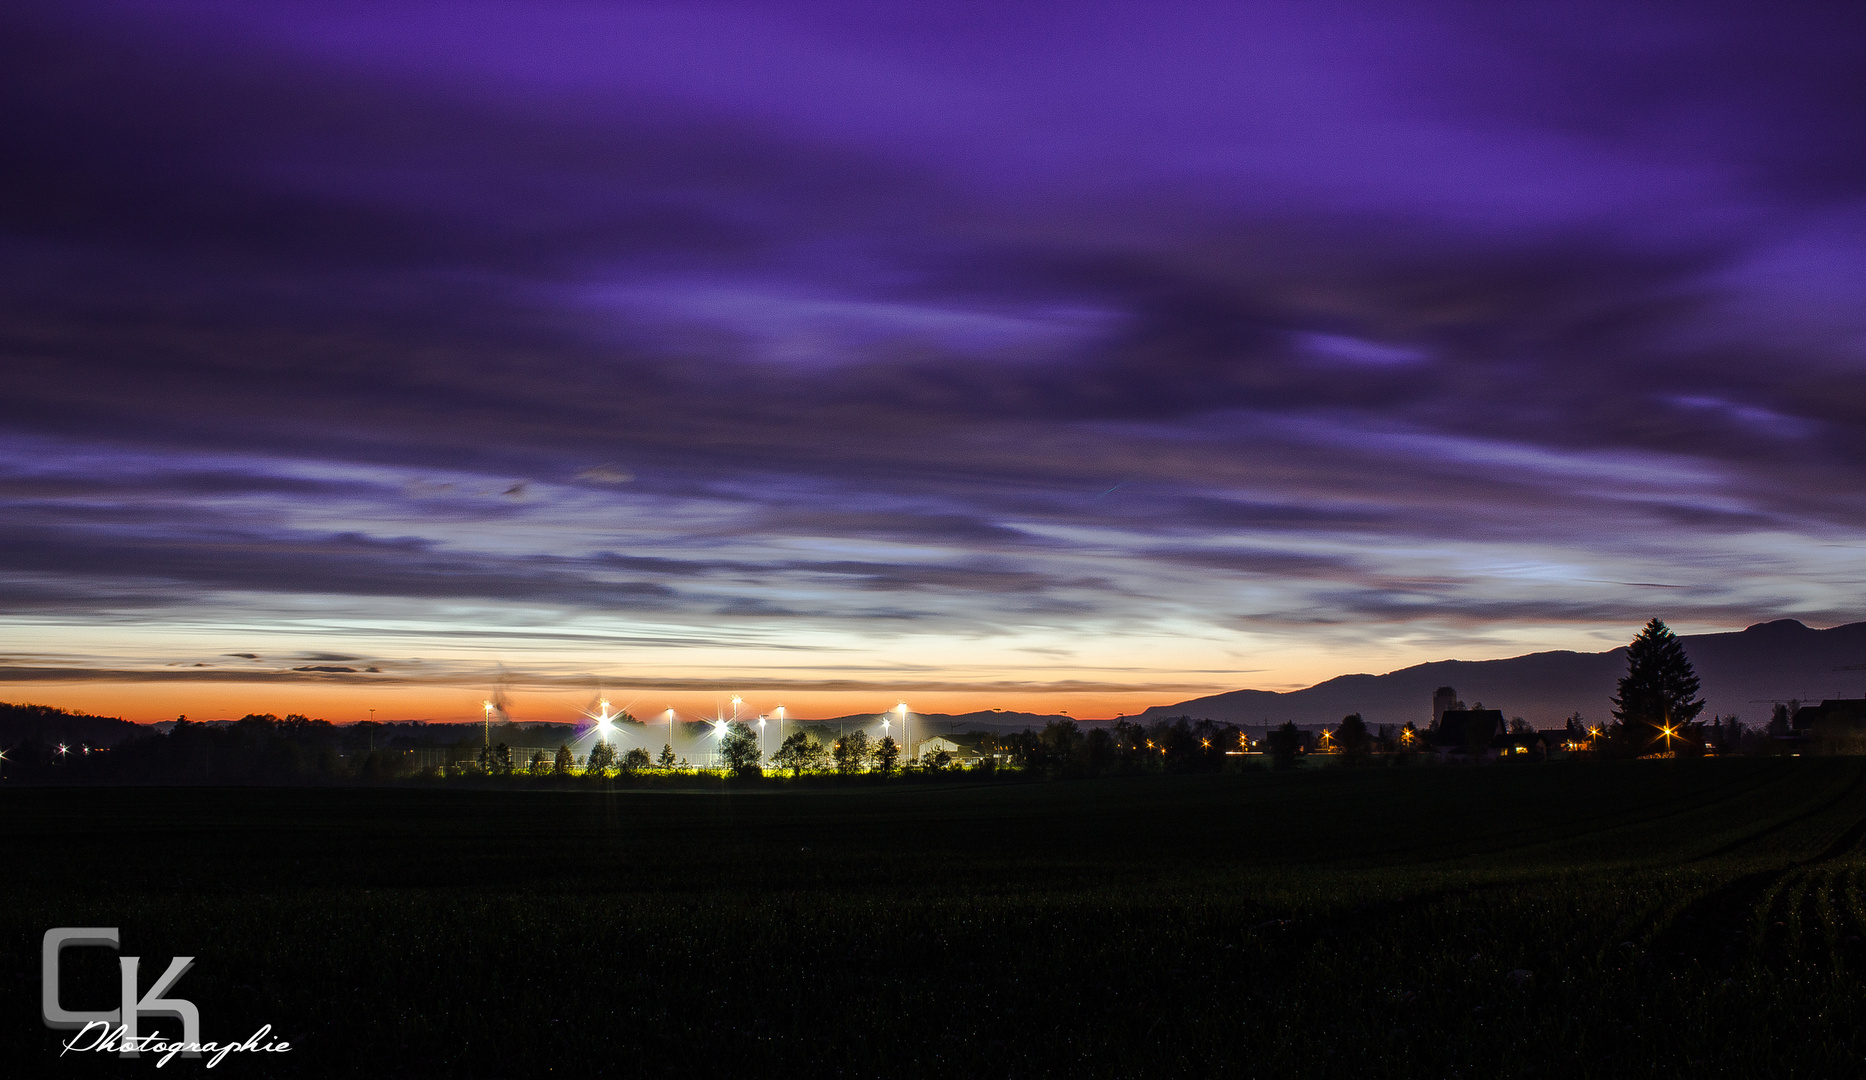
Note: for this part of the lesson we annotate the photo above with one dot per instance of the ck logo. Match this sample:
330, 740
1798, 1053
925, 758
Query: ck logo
134, 1006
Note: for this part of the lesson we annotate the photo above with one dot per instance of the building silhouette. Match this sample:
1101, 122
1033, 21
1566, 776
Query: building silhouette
1444, 699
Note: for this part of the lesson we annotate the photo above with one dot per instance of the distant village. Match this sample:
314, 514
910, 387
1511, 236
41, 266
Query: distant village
1655, 715
48, 744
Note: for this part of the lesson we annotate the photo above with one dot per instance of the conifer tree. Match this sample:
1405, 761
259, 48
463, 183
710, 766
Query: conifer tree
1352, 737
886, 753
1660, 690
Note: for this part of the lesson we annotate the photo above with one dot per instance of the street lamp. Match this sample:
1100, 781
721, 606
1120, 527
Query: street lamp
906, 730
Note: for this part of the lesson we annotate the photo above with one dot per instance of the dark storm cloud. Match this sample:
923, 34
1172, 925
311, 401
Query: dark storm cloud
1275, 563
166, 485
29, 673
884, 577
132, 565
1394, 277
347, 564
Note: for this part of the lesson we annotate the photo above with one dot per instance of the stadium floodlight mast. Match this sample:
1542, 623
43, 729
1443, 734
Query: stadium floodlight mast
720, 727
604, 720
906, 731
488, 707
780, 720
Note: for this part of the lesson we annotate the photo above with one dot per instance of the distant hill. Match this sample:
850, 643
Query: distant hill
1741, 672
21, 722
929, 724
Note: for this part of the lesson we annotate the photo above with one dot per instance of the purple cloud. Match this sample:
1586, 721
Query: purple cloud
1060, 324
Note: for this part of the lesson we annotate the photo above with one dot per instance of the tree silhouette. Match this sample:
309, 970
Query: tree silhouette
563, 761
602, 757
635, 759
800, 753
886, 753
739, 749
1660, 690
1352, 737
1284, 742
851, 751
491, 758
667, 756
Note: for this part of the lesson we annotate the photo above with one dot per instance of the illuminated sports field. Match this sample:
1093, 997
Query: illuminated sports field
1695, 918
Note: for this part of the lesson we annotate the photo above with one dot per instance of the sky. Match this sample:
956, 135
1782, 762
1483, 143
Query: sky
1085, 357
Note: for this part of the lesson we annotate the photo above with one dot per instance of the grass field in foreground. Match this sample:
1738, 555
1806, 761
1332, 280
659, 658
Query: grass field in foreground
1684, 918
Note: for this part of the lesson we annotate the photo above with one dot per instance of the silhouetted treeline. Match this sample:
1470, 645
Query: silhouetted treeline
19, 723
1176, 745
259, 748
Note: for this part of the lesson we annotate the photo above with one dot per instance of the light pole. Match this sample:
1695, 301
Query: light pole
670, 734
761, 737
906, 731
721, 730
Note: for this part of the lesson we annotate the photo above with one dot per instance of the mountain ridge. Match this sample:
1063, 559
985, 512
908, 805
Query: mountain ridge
1741, 672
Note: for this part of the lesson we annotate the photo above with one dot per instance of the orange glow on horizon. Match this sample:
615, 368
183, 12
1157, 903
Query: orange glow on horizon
150, 702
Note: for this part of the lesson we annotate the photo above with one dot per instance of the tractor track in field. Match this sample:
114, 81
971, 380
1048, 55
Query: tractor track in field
1787, 912
1739, 895
1851, 837
1581, 827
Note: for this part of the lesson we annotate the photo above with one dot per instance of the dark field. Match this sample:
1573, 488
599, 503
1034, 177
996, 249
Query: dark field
1688, 918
